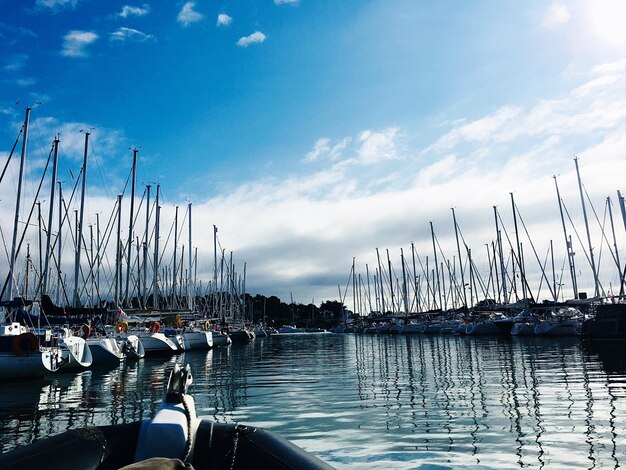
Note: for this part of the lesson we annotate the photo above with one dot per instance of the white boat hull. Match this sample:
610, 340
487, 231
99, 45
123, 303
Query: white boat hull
198, 339
105, 350
75, 352
35, 364
157, 343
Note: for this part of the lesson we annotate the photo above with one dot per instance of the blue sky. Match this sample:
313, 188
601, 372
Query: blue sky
311, 132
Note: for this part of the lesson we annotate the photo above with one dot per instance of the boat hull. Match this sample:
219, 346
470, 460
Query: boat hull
105, 351
157, 343
76, 353
109, 447
35, 364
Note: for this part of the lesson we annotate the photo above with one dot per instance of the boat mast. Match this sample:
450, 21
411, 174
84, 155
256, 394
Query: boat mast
59, 240
175, 271
502, 270
190, 286
591, 257
44, 288
12, 287
130, 225
369, 291
432, 233
215, 270
393, 302
458, 249
144, 287
155, 287
617, 261
79, 236
118, 253
568, 243
380, 275
519, 249
417, 300
404, 290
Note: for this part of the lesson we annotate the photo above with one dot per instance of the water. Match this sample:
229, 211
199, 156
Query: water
370, 401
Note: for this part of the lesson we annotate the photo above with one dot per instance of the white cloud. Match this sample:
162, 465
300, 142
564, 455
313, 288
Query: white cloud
223, 19
378, 146
487, 128
187, 15
286, 2
611, 67
129, 34
24, 82
128, 10
255, 38
16, 62
75, 42
56, 5
323, 148
557, 15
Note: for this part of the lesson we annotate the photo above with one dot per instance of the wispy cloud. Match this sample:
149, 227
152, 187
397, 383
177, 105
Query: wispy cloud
128, 11
75, 43
324, 149
483, 129
188, 15
223, 19
56, 5
25, 81
255, 38
378, 146
286, 2
15, 62
557, 15
129, 34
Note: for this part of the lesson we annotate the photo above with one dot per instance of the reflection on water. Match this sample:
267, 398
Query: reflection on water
370, 401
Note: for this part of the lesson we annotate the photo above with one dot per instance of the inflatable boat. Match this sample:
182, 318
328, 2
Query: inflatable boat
174, 439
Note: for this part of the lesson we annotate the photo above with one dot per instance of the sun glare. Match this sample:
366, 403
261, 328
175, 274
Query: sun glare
608, 19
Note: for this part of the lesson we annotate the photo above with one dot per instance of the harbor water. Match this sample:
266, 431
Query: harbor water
369, 401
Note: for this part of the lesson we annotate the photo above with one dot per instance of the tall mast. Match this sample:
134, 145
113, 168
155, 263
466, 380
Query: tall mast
215, 269
130, 225
380, 275
505, 293
369, 291
12, 287
155, 287
190, 286
145, 249
417, 301
404, 290
617, 261
44, 288
393, 303
79, 231
519, 249
591, 257
118, 253
458, 249
98, 258
568, 243
40, 246
174, 274
432, 232
354, 309
59, 244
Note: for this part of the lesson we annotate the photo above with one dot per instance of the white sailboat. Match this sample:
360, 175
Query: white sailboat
21, 354
75, 351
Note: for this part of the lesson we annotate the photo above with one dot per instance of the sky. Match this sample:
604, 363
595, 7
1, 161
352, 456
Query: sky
313, 132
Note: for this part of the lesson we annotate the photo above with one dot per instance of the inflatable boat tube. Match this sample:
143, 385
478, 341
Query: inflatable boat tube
174, 438
114, 447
